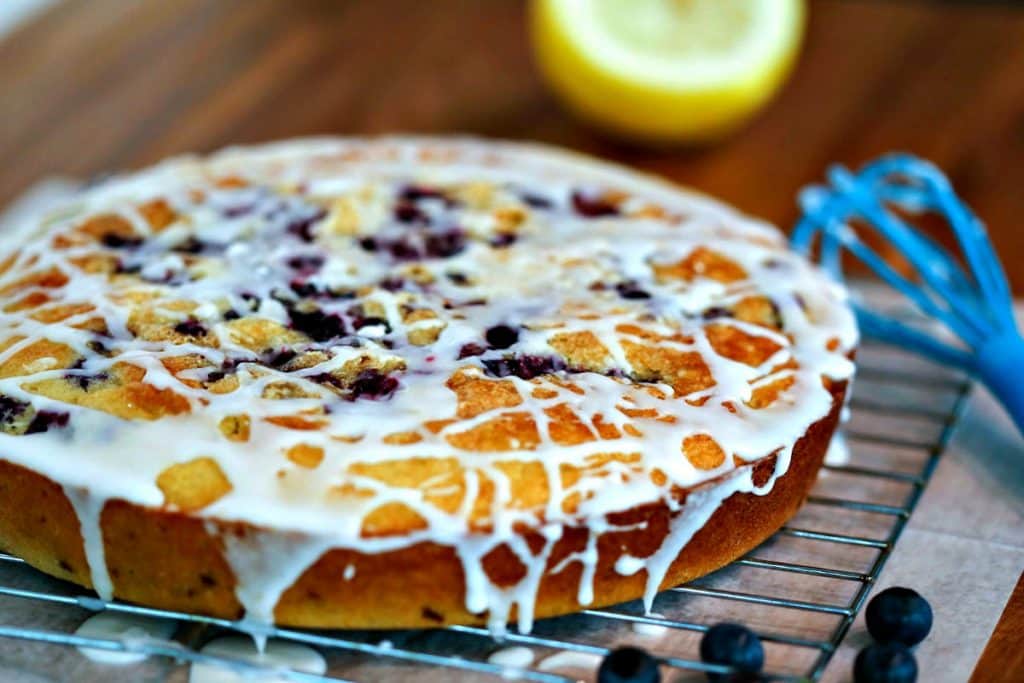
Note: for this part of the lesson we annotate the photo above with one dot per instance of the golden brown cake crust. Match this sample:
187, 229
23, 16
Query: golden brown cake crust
168, 560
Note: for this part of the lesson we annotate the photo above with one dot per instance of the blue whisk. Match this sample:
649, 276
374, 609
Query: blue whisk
975, 305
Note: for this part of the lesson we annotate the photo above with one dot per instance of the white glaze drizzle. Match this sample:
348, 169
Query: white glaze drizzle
570, 659
627, 565
98, 450
129, 629
89, 509
517, 657
278, 654
643, 628
265, 564
838, 452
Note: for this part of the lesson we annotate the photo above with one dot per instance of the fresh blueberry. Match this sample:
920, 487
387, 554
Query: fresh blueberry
899, 614
523, 367
316, 324
885, 663
501, 336
115, 241
716, 312
11, 410
47, 419
359, 322
83, 380
504, 239
402, 249
392, 284
445, 244
459, 279
536, 201
372, 384
306, 264
190, 245
628, 665
86, 381
302, 226
591, 206
190, 327
238, 210
414, 193
732, 645
631, 290
470, 349
279, 357
407, 212
304, 288
97, 346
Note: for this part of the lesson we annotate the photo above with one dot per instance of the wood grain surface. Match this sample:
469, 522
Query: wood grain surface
1003, 658
96, 85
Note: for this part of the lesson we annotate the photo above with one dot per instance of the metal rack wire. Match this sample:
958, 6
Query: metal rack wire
903, 414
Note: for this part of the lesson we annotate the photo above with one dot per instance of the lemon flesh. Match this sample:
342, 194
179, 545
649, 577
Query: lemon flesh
666, 70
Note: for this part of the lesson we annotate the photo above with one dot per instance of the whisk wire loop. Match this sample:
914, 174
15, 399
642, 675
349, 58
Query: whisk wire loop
975, 304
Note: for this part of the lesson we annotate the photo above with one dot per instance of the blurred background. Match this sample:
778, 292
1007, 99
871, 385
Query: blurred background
96, 85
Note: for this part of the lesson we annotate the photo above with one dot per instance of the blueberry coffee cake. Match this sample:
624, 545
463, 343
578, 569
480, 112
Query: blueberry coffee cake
405, 382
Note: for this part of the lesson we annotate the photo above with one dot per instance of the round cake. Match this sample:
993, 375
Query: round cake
405, 382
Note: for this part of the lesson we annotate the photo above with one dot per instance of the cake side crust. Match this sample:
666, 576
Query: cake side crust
169, 560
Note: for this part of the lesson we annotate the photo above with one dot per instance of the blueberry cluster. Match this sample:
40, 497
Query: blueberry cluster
897, 618
414, 246
419, 238
725, 645
190, 327
84, 380
295, 216
369, 384
521, 365
524, 366
316, 324
13, 412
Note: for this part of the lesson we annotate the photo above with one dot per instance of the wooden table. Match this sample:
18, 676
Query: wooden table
108, 84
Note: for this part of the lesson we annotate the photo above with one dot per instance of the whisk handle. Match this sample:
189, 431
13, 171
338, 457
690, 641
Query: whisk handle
1000, 363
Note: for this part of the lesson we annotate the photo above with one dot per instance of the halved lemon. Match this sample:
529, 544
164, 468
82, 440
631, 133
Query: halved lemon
666, 70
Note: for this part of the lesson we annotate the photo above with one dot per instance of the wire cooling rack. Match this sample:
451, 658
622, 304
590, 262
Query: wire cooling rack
800, 590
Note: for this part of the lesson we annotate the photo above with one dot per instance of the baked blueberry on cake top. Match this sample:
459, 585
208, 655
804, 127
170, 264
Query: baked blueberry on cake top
405, 382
